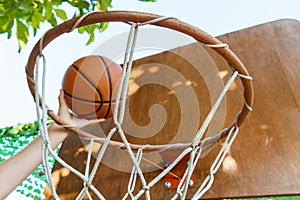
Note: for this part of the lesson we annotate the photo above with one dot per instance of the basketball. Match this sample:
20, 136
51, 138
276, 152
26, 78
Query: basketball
90, 86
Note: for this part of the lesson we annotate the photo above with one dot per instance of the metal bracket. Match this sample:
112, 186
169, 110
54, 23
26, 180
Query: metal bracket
171, 180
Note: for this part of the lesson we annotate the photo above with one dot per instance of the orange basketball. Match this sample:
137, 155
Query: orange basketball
90, 85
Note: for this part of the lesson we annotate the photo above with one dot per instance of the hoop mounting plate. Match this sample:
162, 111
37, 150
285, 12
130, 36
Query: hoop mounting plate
171, 180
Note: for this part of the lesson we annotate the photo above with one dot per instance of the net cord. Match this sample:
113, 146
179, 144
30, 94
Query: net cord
42, 121
195, 150
208, 181
123, 88
86, 174
202, 130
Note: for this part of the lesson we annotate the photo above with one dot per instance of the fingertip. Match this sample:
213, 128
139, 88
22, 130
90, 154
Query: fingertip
61, 92
98, 120
102, 120
63, 107
62, 97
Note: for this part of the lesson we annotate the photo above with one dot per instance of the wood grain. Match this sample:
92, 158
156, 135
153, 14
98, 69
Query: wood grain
265, 158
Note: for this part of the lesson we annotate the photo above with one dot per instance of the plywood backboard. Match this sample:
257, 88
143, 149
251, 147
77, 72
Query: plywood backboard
264, 159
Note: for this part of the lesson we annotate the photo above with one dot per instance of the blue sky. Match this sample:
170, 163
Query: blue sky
215, 17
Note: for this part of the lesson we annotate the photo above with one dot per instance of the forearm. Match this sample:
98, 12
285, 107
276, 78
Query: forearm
14, 170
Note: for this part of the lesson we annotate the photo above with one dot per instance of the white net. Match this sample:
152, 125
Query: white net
196, 149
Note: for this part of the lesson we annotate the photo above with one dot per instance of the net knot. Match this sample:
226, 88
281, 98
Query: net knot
247, 106
146, 188
87, 183
245, 77
221, 45
80, 19
46, 143
152, 21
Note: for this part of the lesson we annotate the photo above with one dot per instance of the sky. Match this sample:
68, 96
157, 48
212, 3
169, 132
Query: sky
216, 17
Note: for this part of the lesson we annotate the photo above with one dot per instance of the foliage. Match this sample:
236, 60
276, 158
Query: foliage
12, 140
26, 14
19, 130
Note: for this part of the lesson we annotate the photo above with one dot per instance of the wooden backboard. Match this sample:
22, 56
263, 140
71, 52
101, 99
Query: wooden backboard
264, 159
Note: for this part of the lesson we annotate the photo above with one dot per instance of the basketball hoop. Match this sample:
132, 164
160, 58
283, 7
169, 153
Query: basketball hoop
194, 150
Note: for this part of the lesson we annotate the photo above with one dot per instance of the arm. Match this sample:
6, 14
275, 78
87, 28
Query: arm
14, 170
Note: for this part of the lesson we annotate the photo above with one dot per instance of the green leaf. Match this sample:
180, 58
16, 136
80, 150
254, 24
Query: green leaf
82, 5
103, 26
34, 31
56, 2
1, 6
23, 5
91, 39
52, 20
90, 28
6, 24
48, 12
22, 34
104, 4
36, 19
81, 30
61, 14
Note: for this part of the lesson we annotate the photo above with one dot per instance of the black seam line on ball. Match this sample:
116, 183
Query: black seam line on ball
110, 85
86, 100
82, 115
86, 78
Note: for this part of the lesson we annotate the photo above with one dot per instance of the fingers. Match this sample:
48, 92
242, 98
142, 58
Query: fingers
85, 123
94, 121
63, 108
63, 112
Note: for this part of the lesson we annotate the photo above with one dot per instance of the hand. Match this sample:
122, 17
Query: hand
70, 119
64, 113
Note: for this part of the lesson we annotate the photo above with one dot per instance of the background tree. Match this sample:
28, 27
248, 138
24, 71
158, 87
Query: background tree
24, 15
